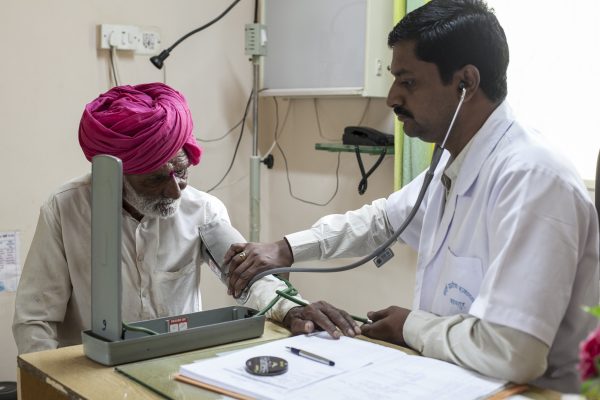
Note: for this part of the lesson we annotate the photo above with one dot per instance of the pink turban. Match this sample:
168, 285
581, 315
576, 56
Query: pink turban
143, 125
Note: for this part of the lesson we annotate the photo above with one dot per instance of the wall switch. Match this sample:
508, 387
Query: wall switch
130, 37
123, 37
255, 40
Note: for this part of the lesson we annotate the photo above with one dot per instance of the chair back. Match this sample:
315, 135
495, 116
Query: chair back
597, 186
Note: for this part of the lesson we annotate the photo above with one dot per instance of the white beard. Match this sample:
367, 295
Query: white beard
153, 207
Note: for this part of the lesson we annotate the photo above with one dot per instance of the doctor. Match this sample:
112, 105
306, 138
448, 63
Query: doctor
506, 234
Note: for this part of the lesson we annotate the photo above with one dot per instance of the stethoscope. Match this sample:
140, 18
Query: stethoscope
383, 253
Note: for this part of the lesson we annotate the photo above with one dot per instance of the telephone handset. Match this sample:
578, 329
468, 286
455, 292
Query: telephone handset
365, 136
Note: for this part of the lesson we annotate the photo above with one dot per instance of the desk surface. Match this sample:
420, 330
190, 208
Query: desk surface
68, 373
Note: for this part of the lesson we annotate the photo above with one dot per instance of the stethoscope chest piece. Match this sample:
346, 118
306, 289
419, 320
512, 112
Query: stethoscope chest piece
266, 365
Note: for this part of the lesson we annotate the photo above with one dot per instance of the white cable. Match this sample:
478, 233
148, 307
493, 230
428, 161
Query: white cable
319, 122
276, 135
460, 102
113, 65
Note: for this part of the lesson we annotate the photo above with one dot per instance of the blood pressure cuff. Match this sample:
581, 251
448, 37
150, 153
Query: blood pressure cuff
216, 238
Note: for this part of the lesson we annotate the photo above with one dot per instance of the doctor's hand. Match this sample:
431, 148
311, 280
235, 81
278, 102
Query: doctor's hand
320, 316
248, 259
387, 325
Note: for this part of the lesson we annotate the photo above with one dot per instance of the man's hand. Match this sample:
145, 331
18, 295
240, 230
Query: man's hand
248, 259
387, 325
322, 315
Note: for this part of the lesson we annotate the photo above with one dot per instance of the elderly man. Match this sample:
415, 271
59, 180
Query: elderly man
149, 127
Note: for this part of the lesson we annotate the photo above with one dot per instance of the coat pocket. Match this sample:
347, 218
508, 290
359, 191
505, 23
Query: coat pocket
458, 286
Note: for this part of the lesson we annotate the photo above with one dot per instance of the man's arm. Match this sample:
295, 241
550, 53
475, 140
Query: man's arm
355, 233
44, 288
490, 349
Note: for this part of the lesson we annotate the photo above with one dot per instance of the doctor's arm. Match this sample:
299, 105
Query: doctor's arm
355, 233
44, 288
490, 349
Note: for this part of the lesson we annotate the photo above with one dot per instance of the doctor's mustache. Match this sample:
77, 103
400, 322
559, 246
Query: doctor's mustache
398, 110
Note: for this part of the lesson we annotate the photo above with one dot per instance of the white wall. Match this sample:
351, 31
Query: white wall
553, 80
313, 178
51, 68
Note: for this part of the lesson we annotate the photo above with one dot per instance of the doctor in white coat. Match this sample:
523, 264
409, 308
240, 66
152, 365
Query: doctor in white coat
507, 236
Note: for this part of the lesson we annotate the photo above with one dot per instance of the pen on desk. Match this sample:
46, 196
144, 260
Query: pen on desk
310, 356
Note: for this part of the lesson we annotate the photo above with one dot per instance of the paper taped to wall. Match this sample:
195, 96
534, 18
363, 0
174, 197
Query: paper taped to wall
9, 261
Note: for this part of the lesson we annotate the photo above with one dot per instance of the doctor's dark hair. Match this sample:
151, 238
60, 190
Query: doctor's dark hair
455, 33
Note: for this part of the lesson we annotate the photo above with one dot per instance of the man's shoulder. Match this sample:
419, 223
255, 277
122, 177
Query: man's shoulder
74, 188
527, 155
194, 195
195, 201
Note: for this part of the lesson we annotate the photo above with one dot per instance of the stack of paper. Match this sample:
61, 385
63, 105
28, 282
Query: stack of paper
362, 370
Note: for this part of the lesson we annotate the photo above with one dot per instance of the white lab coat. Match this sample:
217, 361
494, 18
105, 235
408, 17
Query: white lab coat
516, 242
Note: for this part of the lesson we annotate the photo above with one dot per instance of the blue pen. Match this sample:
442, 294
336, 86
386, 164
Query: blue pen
310, 356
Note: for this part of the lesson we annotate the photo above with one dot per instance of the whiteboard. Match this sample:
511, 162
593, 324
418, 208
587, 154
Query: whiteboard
315, 44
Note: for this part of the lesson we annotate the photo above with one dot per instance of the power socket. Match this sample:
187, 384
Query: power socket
150, 43
122, 37
130, 37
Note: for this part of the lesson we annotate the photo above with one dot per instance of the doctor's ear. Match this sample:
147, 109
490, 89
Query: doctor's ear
468, 79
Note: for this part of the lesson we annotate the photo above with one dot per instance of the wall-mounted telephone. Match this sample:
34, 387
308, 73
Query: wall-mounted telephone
364, 136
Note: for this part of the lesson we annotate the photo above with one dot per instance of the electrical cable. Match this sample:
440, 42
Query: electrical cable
319, 122
237, 145
383, 248
364, 114
275, 134
226, 133
287, 173
112, 57
128, 327
221, 137
158, 60
360, 121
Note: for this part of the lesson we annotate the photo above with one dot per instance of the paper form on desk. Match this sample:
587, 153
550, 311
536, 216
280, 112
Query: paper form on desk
229, 370
362, 369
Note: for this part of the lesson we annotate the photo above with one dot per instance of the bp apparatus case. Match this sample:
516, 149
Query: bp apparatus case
110, 341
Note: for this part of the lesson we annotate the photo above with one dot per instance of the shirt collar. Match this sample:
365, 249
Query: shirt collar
479, 148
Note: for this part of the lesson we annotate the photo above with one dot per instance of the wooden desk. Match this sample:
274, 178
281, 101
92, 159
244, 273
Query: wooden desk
66, 373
